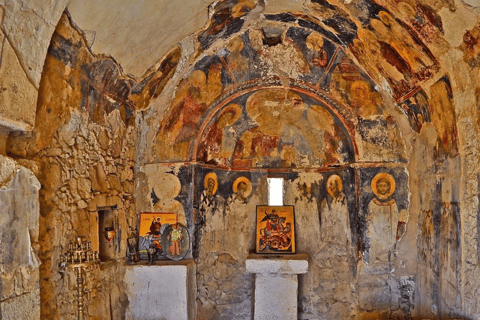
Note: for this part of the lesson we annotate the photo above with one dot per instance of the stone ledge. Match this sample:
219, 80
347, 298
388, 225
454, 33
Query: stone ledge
161, 263
279, 264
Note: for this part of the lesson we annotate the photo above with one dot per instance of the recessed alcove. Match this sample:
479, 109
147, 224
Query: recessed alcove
107, 234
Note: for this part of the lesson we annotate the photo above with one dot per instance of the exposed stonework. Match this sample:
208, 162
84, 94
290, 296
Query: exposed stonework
18, 96
322, 93
29, 25
19, 230
85, 153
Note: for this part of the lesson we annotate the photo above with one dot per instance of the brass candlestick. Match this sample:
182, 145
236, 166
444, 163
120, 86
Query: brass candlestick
79, 258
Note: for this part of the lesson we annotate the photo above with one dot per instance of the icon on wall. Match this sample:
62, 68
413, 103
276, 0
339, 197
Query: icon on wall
275, 229
152, 225
175, 241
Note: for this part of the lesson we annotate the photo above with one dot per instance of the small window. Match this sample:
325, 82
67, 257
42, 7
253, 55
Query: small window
275, 191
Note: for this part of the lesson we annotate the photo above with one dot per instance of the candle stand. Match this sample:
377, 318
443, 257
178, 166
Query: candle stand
80, 257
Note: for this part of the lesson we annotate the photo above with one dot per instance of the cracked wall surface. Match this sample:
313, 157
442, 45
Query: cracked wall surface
83, 151
364, 95
19, 246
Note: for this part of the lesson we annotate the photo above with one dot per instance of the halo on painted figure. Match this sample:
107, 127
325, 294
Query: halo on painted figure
339, 182
383, 176
247, 182
229, 115
211, 175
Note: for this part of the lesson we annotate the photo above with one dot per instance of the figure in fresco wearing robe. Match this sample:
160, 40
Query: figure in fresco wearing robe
210, 218
392, 33
385, 225
192, 98
335, 220
319, 57
239, 217
210, 203
241, 190
215, 147
306, 215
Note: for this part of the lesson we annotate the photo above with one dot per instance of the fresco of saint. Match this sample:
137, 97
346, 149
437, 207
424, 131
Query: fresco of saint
238, 216
335, 221
210, 220
383, 218
210, 203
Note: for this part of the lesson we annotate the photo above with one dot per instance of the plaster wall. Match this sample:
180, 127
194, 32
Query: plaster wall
409, 108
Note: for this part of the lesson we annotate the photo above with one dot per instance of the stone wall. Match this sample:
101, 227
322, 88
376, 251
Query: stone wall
366, 88
19, 247
83, 147
394, 110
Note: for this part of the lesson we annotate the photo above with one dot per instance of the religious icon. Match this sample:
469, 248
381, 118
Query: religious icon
132, 252
152, 225
382, 218
109, 234
176, 241
275, 229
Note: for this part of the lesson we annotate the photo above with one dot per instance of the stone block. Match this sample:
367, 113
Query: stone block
276, 284
18, 97
276, 296
26, 306
165, 291
281, 264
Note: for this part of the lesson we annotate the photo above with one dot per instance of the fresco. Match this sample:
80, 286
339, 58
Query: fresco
417, 109
169, 191
316, 62
225, 21
424, 21
335, 216
352, 88
444, 119
192, 99
275, 128
471, 49
384, 213
320, 200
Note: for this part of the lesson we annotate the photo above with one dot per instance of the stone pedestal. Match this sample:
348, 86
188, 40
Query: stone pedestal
276, 284
162, 291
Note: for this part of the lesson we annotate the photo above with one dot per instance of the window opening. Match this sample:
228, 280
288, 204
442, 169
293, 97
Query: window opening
275, 191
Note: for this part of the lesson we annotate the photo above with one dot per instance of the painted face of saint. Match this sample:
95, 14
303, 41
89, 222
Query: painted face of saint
334, 187
383, 187
274, 216
210, 186
242, 189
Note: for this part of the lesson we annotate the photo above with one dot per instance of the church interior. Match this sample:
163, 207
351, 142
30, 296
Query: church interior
240, 159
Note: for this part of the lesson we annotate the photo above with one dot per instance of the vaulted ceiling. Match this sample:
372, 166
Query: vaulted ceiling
138, 34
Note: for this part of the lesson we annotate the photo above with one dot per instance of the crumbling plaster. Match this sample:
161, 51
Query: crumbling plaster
433, 181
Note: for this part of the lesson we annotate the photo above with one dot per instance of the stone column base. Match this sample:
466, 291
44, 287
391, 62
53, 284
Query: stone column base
276, 284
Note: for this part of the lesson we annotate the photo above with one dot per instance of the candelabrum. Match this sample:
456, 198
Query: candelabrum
80, 257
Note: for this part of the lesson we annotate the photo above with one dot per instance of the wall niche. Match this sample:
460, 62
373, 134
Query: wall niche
108, 236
